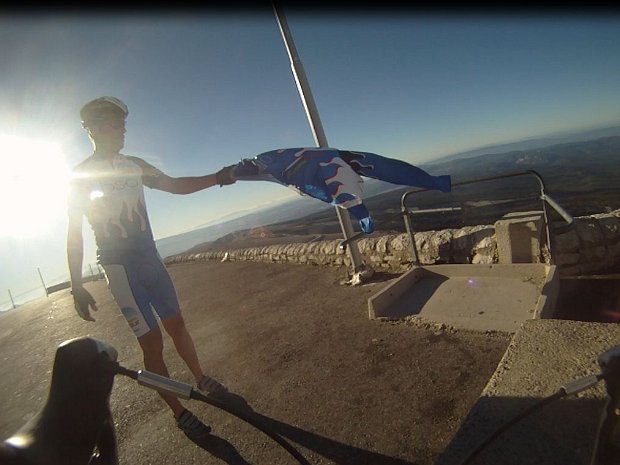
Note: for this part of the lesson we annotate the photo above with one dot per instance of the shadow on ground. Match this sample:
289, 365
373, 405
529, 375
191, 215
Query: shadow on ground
562, 432
333, 450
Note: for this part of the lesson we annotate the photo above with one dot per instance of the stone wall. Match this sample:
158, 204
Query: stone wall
591, 247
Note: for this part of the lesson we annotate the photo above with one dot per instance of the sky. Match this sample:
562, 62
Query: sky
207, 88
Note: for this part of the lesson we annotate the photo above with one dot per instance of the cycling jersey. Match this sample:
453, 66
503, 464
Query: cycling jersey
109, 192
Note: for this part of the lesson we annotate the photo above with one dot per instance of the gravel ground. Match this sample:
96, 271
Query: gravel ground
294, 344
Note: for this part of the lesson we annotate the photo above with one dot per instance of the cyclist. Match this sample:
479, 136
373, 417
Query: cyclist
107, 188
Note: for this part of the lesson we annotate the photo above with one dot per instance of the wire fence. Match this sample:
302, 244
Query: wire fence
14, 299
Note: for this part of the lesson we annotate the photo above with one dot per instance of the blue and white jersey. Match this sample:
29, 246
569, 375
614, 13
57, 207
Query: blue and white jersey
110, 193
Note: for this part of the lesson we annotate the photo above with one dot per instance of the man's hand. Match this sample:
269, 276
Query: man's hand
226, 176
82, 300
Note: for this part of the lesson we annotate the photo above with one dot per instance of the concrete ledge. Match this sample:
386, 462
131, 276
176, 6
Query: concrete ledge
545, 307
495, 297
379, 304
542, 356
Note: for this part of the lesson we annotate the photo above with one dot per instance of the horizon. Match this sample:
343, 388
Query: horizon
207, 90
92, 268
282, 201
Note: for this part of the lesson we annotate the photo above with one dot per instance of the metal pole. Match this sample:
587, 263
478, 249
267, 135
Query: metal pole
11, 297
43, 282
315, 124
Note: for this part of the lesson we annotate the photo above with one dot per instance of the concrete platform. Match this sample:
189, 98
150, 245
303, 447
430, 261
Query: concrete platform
475, 297
543, 355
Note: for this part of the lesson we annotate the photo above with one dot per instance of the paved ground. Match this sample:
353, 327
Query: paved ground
295, 344
544, 355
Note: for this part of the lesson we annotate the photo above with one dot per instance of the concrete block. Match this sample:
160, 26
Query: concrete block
520, 237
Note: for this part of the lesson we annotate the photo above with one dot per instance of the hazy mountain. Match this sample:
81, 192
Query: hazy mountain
581, 176
294, 209
286, 211
531, 144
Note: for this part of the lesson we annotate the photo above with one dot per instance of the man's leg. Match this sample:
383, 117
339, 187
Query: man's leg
127, 293
184, 344
175, 327
152, 345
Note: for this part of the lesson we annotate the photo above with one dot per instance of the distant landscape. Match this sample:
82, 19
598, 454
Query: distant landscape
582, 176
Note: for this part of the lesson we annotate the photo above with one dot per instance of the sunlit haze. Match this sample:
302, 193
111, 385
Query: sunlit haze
33, 186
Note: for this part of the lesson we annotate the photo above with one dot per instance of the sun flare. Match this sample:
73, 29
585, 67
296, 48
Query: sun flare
33, 186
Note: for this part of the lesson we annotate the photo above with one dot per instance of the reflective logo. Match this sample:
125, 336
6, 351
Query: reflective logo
132, 316
123, 183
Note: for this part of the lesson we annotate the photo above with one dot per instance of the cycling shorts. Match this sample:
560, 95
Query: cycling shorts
142, 288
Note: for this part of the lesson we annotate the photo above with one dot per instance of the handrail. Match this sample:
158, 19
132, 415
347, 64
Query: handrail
570, 221
546, 200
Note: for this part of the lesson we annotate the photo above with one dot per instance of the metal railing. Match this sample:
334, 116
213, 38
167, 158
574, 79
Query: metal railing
406, 212
23, 296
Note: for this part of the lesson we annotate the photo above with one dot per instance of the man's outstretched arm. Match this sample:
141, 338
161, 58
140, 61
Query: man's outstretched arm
156, 179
